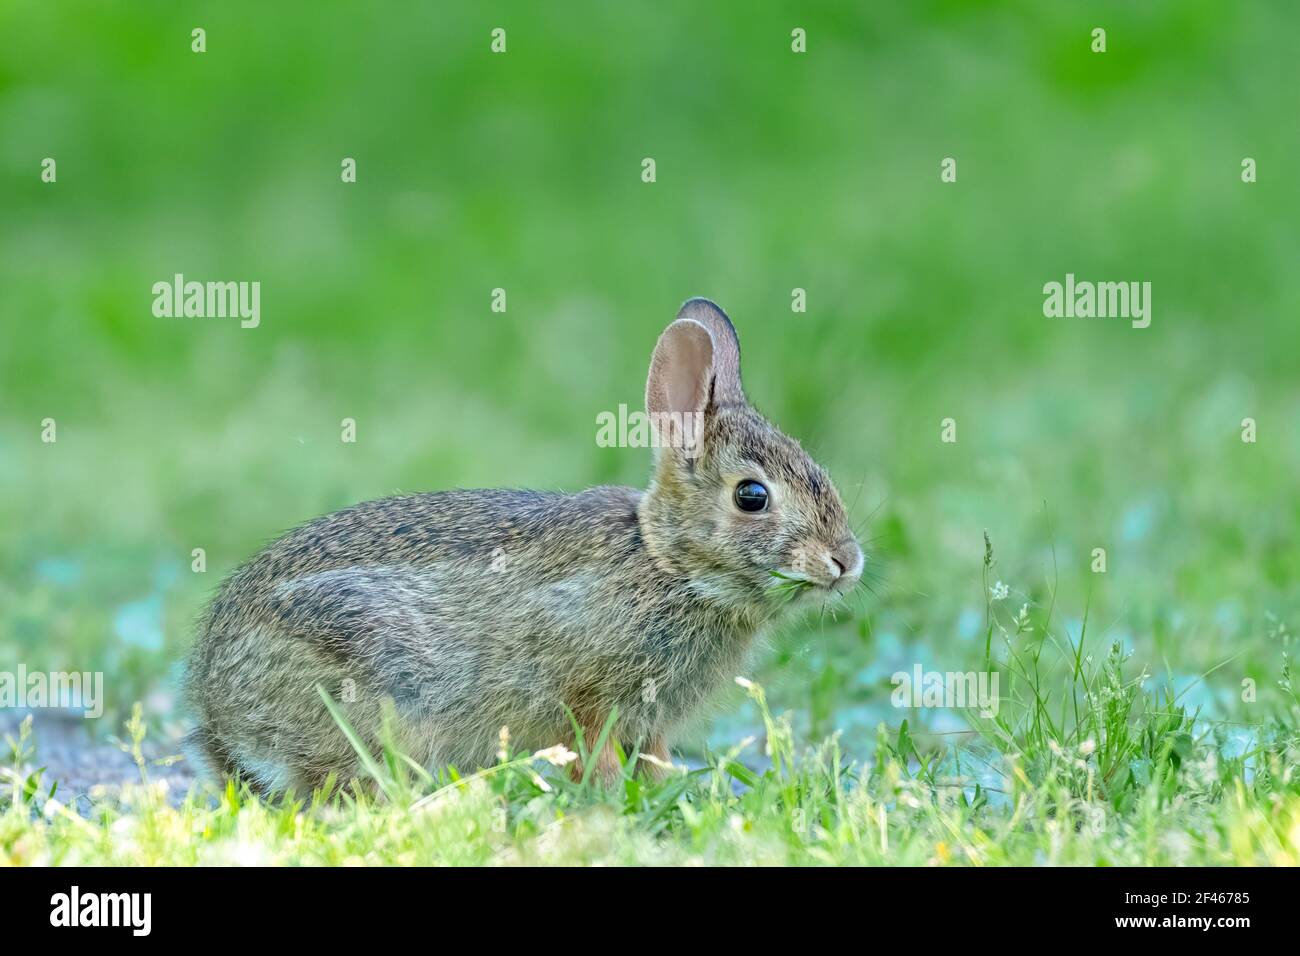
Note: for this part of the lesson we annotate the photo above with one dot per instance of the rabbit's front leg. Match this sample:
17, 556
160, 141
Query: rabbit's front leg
606, 770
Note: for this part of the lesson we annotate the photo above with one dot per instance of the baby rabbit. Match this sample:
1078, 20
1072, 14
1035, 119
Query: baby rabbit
452, 614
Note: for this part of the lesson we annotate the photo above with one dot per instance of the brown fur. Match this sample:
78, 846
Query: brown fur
466, 611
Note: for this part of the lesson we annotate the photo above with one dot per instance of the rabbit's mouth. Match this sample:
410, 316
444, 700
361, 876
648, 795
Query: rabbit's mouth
791, 586
820, 570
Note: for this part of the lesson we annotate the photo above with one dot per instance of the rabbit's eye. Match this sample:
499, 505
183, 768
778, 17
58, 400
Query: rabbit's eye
751, 496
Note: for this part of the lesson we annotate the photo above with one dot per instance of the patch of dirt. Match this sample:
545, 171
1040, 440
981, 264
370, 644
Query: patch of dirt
62, 743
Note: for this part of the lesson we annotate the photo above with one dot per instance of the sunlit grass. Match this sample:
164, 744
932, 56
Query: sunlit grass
1181, 800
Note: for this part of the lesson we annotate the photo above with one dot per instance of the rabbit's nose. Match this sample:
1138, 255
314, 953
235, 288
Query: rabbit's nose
847, 559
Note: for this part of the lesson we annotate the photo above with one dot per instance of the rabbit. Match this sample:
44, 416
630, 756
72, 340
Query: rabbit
434, 620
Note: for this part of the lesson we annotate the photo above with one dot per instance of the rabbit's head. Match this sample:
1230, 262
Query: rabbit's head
735, 506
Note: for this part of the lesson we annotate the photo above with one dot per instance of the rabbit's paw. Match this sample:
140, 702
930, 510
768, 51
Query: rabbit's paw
655, 763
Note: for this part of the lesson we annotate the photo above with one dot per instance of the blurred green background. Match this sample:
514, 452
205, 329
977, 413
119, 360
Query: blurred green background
775, 171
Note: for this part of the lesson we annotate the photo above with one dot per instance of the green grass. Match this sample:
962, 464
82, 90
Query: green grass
775, 172
1090, 770
1062, 806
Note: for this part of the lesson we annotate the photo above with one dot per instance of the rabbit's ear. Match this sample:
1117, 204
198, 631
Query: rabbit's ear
696, 362
726, 349
681, 371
